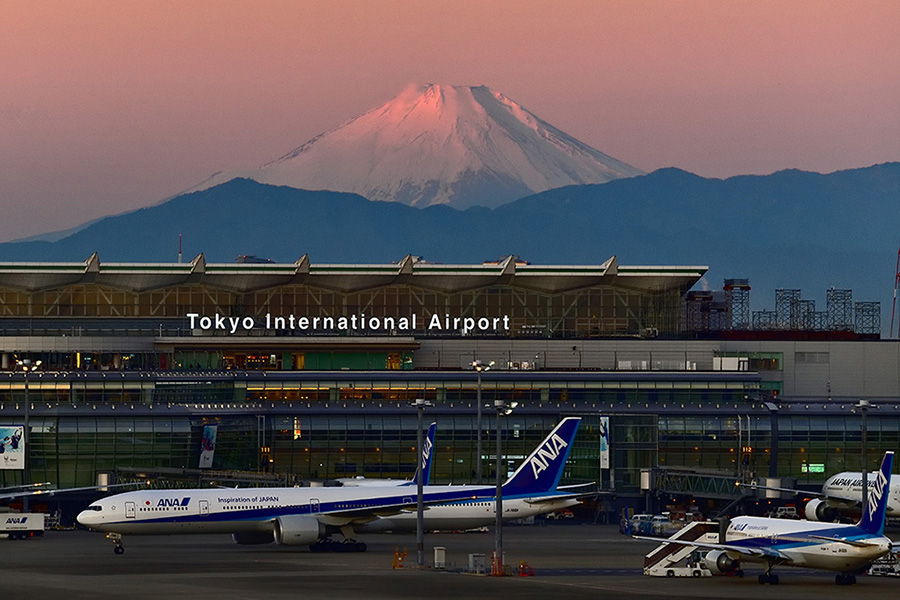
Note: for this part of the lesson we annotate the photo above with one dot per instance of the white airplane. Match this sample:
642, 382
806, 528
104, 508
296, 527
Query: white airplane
424, 464
848, 549
466, 514
839, 493
308, 516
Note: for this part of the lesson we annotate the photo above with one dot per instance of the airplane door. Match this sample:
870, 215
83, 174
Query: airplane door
313, 505
129, 510
204, 508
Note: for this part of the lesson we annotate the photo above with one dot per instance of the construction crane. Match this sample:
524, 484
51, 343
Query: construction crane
894, 302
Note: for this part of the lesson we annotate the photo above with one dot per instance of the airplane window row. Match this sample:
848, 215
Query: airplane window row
155, 508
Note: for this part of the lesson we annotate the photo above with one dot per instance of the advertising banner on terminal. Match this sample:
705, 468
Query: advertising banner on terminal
12, 447
604, 442
208, 446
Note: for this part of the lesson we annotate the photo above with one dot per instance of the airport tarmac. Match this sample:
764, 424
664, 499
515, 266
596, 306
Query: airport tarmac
569, 561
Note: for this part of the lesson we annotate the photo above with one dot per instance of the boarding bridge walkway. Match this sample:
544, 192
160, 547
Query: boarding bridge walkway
715, 485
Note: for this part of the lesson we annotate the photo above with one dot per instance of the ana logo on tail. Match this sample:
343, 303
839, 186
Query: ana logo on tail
546, 454
876, 493
426, 452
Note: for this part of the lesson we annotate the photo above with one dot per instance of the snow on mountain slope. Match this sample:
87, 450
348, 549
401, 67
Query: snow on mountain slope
438, 144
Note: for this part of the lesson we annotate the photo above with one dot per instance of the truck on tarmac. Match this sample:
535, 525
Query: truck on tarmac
21, 526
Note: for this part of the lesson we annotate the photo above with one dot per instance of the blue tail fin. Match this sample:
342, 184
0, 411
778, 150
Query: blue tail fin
425, 459
541, 471
872, 520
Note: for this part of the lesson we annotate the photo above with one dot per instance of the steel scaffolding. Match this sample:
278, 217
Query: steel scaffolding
840, 309
868, 318
787, 308
737, 302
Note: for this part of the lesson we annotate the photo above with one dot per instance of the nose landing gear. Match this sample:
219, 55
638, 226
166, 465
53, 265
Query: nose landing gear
116, 539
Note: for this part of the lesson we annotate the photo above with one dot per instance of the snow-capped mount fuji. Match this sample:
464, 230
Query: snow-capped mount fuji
438, 144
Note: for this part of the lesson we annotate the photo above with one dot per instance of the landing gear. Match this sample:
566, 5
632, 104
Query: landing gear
116, 539
845, 579
769, 578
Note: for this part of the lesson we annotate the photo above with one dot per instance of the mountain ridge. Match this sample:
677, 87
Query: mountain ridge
791, 229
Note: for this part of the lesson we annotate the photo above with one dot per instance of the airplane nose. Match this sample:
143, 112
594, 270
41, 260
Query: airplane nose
86, 517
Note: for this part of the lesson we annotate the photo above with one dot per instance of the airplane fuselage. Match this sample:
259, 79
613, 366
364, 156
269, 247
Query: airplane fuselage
846, 488
806, 543
254, 509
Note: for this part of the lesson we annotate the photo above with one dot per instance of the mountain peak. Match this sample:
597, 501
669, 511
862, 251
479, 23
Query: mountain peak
441, 144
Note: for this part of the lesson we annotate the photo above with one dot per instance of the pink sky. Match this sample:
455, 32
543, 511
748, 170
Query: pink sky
107, 106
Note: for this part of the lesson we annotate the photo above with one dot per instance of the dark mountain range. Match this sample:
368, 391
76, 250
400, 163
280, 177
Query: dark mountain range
791, 229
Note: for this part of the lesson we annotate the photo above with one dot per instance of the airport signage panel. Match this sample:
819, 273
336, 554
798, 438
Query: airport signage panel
604, 442
12, 447
436, 323
208, 446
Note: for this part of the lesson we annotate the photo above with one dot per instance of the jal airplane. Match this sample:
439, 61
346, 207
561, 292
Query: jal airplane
308, 516
840, 492
847, 549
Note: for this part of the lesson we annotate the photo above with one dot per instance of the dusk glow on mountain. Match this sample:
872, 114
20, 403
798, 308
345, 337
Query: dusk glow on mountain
439, 144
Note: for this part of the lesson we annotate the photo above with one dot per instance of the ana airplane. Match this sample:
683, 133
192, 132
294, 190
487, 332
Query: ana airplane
466, 514
839, 493
424, 464
308, 516
848, 549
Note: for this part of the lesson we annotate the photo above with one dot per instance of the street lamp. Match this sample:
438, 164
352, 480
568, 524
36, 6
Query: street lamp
502, 409
863, 407
479, 367
420, 405
26, 366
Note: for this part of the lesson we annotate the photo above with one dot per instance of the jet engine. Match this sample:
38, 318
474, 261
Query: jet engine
719, 562
295, 530
818, 510
253, 537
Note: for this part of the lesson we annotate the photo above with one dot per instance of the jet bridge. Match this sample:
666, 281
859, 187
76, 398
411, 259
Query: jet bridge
719, 486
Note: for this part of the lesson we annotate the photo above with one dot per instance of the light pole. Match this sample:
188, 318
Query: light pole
479, 367
420, 405
502, 409
863, 407
26, 366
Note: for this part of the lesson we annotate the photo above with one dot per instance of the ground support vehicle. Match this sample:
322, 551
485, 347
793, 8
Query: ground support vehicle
21, 526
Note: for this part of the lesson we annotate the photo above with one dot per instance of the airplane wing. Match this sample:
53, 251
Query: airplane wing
557, 497
592, 485
754, 486
52, 492
832, 501
766, 551
365, 515
854, 543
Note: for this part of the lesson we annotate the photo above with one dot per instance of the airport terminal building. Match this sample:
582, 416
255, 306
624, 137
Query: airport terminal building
308, 371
